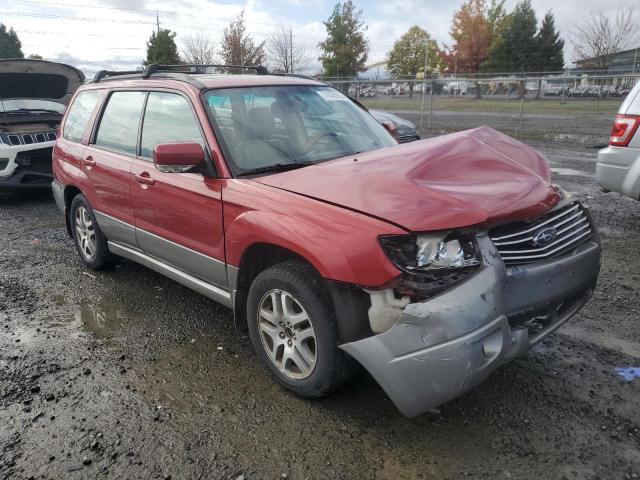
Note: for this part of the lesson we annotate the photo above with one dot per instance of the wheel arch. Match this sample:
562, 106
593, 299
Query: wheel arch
256, 258
350, 303
70, 192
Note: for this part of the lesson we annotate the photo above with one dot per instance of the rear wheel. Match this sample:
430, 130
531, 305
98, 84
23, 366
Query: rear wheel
294, 331
89, 239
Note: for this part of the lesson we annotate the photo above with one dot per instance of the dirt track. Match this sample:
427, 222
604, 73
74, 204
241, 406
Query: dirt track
125, 374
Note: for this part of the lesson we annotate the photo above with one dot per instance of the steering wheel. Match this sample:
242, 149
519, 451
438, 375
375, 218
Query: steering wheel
311, 142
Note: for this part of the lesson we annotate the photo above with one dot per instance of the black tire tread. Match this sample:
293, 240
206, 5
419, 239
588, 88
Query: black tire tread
307, 279
104, 259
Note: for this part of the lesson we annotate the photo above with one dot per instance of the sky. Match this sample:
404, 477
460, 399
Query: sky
112, 34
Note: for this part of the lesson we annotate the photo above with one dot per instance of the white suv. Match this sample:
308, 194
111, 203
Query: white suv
618, 165
33, 98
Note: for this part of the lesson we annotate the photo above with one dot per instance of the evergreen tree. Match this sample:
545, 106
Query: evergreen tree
10, 46
238, 47
515, 48
345, 50
496, 15
161, 48
550, 51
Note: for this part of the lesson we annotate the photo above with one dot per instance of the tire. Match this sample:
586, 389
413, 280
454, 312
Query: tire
298, 283
87, 236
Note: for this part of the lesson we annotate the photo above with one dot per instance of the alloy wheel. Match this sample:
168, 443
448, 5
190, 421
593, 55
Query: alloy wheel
85, 233
287, 334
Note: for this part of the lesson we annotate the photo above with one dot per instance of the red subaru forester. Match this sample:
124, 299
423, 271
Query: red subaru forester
430, 263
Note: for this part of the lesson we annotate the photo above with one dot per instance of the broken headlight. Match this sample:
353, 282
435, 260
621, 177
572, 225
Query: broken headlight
425, 254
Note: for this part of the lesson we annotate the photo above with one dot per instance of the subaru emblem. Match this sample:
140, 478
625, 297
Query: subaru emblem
545, 236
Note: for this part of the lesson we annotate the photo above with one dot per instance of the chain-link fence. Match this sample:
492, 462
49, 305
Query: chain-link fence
578, 107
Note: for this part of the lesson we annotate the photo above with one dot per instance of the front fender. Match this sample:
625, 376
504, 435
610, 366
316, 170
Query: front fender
341, 244
301, 237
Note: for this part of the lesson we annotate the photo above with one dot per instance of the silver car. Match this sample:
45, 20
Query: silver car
618, 165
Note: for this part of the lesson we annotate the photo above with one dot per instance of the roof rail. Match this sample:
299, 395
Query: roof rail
184, 69
198, 68
113, 73
296, 75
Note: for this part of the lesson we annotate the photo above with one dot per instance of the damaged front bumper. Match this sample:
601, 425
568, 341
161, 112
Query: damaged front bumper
443, 347
26, 167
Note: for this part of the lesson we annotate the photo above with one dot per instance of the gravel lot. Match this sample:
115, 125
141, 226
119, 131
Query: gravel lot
125, 374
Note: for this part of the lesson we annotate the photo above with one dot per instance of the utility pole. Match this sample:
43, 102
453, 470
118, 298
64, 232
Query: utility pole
290, 49
157, 36
424, 85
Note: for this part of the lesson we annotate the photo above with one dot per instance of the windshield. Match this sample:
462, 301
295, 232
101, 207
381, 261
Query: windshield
30, 104
278, 126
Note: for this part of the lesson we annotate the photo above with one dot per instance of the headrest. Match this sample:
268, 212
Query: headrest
260, 123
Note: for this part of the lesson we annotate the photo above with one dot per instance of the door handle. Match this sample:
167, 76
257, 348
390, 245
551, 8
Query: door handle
88, 161
144, 178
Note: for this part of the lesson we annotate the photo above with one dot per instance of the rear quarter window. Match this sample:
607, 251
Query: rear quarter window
118, 129
79, 114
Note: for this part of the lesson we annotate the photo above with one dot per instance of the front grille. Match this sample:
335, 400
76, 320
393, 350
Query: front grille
552, 235
27, 138
407, 138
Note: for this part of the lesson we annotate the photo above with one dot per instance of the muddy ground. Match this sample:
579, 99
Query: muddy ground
125, 374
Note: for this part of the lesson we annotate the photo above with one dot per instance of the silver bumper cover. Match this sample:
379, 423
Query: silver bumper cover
443, 347
618, 170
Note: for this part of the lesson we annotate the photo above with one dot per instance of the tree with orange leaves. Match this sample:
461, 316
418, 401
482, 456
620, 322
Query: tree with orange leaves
471, 35
474, 29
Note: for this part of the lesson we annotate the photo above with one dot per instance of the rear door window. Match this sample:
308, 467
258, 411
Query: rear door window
79, 115
118, 128
168, 118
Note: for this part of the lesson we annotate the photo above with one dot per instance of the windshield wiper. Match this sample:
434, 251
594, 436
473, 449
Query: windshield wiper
275, 168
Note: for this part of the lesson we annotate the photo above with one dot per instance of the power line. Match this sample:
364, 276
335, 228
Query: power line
40, 45
66, 17
138, 10
75, 34
134, 22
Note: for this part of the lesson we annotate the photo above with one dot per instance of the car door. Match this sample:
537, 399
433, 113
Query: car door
108, 159
178, 215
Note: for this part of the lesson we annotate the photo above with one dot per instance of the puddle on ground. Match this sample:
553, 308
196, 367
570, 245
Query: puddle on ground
101, 318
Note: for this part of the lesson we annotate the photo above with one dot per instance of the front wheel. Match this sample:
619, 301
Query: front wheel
294, 331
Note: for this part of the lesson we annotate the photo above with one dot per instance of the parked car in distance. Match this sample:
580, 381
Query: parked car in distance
402, 129
430, 263
34, 95
618, 165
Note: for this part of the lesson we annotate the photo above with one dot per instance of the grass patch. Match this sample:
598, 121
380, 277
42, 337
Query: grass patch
498, 105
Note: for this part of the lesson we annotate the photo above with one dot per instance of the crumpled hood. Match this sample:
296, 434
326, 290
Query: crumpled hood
452, 181
38, 79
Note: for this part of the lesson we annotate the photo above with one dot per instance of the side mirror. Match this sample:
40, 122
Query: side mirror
177, 157
389, 126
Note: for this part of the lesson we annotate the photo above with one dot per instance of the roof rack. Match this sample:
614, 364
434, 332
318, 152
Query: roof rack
183, 69
296, 75
199, 68
113, 73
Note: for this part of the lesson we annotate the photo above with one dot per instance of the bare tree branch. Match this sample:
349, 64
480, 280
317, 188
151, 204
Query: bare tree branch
198, 49
601, 35
286, 55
